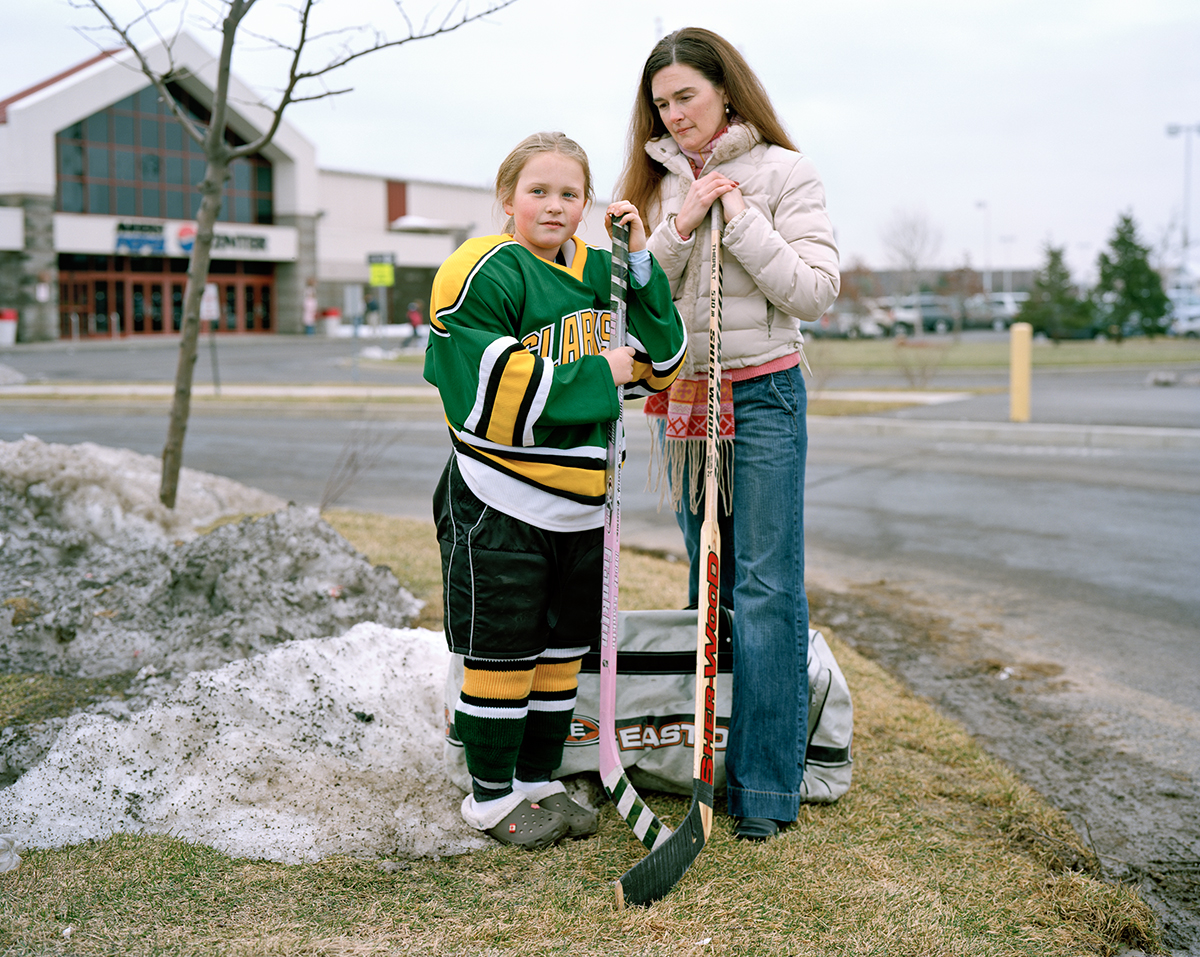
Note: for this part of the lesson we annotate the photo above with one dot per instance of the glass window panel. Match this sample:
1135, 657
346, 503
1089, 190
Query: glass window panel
194, 204
173, 135
156, 308
148, 100
124, 165
98, 162
150, 130
70, 159
174, 204
126, 201
123, 129
98, 198
266, 213
139, 308
266, 308
176, 306
126, 104
248, 312
150, 167
195, 171
73, 132
151, 203
174, 169
97, 127
263, 176
72, 196
241, 176
231, 306
241, 209
223, 215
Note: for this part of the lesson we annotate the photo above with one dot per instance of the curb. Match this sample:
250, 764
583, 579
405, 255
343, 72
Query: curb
1026, 433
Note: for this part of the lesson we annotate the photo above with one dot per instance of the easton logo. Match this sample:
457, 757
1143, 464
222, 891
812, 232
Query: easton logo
583, 731
646, 734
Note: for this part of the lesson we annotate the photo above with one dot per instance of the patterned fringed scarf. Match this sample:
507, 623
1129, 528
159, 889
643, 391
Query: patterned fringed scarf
685, 405
683, 449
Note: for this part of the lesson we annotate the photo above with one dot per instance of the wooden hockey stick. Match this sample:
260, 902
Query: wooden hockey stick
646, 825
653, 876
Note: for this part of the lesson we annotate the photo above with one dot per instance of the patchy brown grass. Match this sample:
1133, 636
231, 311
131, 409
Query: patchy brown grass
937, 851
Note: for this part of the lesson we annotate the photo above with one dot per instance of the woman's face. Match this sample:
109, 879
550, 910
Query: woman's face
692, 109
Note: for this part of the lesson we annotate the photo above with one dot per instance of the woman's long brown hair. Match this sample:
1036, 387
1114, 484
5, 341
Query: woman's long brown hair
719, 62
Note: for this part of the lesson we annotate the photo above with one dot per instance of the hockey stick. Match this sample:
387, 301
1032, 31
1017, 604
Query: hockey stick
646, 825
654, 875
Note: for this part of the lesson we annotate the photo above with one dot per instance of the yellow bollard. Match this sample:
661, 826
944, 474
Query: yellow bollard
1020, 365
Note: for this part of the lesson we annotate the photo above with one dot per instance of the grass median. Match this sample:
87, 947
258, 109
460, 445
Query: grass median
973, 353
936, 850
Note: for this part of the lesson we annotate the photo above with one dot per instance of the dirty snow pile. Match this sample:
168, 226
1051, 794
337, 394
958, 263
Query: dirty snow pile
325, 746
280, 710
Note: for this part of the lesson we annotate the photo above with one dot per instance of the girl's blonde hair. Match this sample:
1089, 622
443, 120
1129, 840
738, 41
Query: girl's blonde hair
719, 62
510, 170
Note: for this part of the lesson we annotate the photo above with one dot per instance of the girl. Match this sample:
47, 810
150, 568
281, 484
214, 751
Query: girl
519, 351
704, 131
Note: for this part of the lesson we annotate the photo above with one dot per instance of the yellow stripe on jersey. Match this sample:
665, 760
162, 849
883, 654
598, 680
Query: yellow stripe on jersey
454, 275
551, 476
497, 685
516, 380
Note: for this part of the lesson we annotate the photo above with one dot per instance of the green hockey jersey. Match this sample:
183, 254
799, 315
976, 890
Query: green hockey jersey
514, 351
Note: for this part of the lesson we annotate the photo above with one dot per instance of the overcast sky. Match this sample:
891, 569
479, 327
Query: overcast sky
1052, 113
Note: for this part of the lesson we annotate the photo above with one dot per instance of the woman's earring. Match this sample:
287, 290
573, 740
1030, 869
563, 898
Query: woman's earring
728, 111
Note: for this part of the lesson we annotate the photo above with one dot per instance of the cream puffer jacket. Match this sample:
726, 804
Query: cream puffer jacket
780, 263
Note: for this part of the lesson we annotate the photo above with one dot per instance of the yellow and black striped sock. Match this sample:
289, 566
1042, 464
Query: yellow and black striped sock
551, 706
490, 719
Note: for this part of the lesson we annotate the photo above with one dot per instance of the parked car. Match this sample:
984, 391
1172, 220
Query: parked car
842, 325
936, 314
996, 311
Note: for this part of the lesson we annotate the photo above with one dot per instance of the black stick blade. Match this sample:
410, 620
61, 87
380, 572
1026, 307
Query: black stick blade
654, 875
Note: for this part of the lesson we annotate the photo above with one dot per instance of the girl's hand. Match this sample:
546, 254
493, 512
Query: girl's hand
620, 362
626, 214
700, 196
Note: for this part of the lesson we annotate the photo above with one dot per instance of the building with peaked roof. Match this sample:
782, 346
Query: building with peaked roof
98, 194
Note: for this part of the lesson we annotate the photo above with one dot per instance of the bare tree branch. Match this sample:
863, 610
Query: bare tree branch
228, 20
159, 80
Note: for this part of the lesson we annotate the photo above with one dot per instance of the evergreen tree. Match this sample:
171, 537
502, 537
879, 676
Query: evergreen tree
1129, 296
1053, 308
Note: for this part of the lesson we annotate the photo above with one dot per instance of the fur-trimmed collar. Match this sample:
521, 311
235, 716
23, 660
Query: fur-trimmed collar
738, 139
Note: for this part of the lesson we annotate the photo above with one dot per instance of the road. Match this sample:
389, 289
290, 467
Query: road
1060, 558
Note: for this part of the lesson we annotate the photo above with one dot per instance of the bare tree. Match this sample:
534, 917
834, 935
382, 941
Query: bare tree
305, 81
911, 242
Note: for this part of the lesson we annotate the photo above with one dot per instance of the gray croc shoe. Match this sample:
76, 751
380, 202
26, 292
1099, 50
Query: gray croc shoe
530, 826
581, 821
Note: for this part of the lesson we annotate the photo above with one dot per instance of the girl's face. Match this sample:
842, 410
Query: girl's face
692, 109
548, 203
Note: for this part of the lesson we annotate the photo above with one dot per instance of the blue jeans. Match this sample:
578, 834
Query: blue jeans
762, 581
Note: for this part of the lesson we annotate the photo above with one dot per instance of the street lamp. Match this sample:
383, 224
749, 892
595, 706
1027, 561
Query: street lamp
987, 247
1174, 129
1004, 241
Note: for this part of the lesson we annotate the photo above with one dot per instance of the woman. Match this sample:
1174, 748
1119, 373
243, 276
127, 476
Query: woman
704, 131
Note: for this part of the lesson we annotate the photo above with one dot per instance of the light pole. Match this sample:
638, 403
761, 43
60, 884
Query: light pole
1004, 241
1174, 129
987, 247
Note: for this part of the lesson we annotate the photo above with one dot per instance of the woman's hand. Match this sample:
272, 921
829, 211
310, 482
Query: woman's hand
620, 362
626, 214
700, 196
